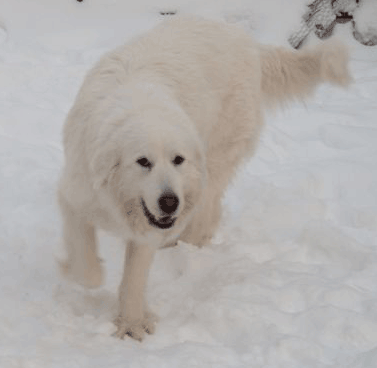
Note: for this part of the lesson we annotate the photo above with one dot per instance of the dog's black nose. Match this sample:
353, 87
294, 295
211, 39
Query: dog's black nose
168, 203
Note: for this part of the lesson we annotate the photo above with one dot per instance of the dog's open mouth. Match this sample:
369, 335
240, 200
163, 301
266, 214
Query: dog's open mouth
165, 222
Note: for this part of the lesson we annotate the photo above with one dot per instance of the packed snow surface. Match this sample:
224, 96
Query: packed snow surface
290, 279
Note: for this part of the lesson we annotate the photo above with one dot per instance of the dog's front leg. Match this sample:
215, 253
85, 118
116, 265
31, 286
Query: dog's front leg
134, 319
83, 265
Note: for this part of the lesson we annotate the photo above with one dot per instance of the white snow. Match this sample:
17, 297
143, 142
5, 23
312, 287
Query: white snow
291, 277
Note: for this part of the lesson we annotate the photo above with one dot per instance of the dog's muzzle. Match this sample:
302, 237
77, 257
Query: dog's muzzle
165, 222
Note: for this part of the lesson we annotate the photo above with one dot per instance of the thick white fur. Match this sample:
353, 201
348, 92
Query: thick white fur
189, 87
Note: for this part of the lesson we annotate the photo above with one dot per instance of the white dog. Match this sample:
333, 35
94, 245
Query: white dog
157, 131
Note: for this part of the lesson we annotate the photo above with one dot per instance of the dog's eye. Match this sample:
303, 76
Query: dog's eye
144, 162
178, 160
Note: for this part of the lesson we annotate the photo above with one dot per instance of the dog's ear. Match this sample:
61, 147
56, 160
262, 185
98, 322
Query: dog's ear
104, 164
105, 147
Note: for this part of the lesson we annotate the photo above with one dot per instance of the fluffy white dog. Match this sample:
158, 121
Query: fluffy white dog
157, 131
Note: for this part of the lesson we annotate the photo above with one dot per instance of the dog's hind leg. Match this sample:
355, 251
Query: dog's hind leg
205, 221
83, 265
223, 161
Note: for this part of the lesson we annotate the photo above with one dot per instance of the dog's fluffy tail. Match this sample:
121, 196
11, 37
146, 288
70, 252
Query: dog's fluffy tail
289, 74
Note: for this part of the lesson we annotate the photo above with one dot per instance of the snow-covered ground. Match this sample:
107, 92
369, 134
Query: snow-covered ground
291, 277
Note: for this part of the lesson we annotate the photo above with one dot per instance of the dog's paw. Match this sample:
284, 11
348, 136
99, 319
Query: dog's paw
89, 277
136, 329
204, 240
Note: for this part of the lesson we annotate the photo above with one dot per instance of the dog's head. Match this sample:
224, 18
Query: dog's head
153, 166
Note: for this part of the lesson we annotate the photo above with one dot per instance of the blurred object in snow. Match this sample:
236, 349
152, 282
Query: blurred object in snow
322, 17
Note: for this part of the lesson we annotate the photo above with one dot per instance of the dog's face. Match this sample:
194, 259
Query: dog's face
159, 174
